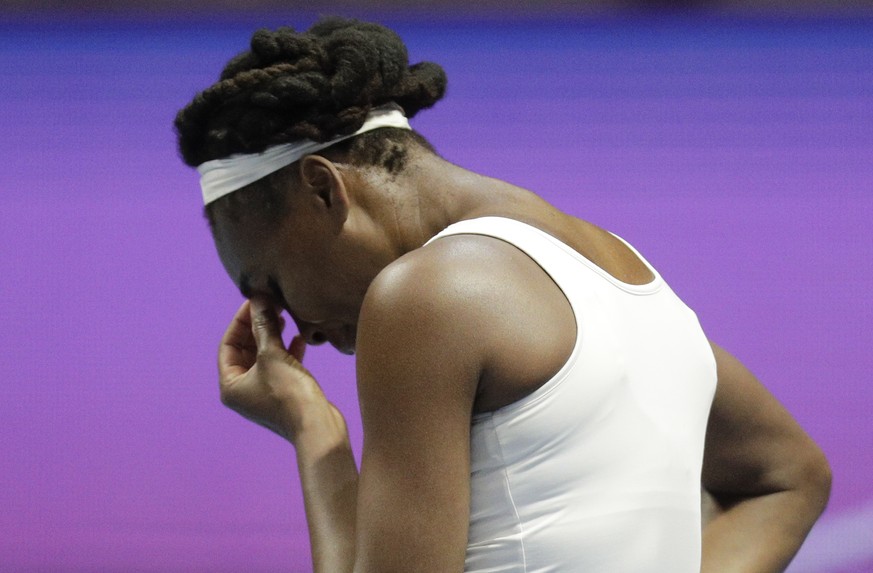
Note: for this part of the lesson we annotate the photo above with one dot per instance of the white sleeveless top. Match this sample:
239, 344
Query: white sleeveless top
597, 471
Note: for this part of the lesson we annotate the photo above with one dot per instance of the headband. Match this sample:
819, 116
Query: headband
220, 177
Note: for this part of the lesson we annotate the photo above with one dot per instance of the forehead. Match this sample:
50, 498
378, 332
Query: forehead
246, 251
247, 215
256, 254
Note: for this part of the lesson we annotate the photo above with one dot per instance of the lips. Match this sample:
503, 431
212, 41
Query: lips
344, 348
345, 341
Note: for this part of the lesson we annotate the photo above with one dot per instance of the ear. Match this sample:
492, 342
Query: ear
325, 187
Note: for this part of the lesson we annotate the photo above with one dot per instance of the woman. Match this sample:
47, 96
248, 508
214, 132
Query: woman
534, 396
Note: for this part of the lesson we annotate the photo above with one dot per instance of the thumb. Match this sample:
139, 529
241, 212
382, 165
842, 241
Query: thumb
266, 328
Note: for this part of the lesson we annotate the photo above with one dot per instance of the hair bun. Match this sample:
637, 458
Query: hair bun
315, 84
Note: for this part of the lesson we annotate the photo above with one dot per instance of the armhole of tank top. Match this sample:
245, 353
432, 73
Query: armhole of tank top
495, 227
555, 380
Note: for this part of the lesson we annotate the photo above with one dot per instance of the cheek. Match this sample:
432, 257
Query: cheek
324, 298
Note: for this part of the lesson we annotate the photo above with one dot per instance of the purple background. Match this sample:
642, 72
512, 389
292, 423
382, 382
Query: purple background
737, 155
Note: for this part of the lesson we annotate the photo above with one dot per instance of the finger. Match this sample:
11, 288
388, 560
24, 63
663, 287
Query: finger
297, 348
237, 348
282, 324
240, 328
265, 325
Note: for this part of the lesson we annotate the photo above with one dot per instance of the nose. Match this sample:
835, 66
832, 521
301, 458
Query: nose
315, 337
311, 333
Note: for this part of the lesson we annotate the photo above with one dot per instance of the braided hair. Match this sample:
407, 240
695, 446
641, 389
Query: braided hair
316, 85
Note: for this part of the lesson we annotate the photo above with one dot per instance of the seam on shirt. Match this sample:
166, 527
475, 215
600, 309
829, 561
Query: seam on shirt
505, 466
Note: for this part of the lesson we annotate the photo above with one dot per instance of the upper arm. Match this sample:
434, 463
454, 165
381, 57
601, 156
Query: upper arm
753, 445
418, 369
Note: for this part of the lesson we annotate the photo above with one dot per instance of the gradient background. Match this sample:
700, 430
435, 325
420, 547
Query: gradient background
736, 152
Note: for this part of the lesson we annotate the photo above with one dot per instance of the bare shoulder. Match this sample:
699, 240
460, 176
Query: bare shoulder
478, 302
457, 261
457, 283
437, 293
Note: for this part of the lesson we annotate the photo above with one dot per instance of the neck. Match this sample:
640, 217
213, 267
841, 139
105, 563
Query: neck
431, 194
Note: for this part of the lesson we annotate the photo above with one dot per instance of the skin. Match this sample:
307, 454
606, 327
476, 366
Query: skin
349, 266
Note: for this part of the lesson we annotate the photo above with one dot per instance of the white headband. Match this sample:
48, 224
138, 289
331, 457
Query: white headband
222, 176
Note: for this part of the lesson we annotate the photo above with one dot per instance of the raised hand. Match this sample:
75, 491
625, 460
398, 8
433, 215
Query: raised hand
265, 382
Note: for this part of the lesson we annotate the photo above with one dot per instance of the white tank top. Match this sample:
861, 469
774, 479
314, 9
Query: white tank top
597, 471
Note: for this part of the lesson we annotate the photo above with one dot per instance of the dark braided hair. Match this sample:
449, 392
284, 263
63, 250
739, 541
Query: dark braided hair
315, 85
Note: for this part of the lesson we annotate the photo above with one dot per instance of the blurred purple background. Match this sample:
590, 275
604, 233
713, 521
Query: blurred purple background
735, 153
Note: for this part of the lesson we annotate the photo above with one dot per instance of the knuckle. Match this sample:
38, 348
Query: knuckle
262, 321
266, 355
